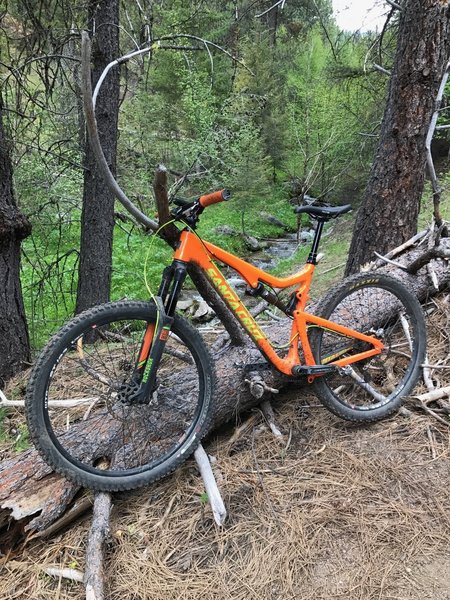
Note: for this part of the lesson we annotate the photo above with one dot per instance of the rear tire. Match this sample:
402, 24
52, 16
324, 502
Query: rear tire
96, 436
376, 305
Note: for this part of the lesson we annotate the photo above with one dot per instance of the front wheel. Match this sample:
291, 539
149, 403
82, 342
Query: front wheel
379, 306
83, 416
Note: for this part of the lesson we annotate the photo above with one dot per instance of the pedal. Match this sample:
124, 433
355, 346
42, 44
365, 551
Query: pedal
300, 370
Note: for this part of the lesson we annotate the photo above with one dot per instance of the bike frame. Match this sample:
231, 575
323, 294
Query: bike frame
191, 249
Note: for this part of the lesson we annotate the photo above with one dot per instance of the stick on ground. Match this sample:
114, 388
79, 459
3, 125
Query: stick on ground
95, 572
214, 497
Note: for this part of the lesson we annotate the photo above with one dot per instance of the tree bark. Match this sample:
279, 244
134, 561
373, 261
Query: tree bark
32, 497
14, 227
97, 220
388, 214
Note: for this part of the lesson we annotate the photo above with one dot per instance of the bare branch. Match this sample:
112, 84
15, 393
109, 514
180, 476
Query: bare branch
381, 69
214, 497
91, 124
394, 4
94, 575
282, 2
430, 254
391, 262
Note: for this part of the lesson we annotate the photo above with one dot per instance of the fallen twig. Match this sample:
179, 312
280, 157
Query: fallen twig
94, 574
432, 413
427, 375
214, 497
72, 574
431, 440
269, 415
434, 395
166, 512
239, 431
79, 508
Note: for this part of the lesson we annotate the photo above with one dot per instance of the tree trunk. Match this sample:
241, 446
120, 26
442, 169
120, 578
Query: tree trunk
14, 227
32, 497
388, 214
97, 220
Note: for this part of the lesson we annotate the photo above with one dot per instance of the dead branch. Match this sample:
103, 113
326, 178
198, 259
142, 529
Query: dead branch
426, 257
432, 413
269, 415
91, 124
432, 443
79, 507
433, 395
381, 69
399, 249
94, 575
282, 2
168, 231
394, 4
71, 574
212, 490
389, 261
239, 431
427, 375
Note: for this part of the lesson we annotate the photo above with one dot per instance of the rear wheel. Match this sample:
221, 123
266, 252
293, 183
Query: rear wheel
82, 410
382, 307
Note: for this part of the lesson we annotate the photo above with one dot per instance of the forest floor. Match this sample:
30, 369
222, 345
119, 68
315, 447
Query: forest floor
333, 511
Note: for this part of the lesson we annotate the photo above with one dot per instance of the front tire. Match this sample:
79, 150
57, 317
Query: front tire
376, 305
85, 426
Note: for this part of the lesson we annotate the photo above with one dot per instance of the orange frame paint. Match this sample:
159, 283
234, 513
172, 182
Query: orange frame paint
192, 249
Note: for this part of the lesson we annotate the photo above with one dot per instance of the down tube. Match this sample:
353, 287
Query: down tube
235, 304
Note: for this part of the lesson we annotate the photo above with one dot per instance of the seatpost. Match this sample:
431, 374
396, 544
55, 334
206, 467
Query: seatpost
312, 258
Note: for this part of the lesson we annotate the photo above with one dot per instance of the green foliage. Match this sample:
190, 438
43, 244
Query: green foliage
325, 119
203, 499
19, 440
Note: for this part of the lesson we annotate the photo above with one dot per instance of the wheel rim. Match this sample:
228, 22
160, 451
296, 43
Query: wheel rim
101, 434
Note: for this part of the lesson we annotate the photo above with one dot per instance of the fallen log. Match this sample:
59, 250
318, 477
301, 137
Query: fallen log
32, 497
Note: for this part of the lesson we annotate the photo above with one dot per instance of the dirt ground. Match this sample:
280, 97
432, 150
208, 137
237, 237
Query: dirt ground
334, 510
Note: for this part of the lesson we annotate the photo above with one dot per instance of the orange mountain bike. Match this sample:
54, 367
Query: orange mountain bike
125, 391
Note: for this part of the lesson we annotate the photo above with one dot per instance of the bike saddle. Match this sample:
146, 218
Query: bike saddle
324, 212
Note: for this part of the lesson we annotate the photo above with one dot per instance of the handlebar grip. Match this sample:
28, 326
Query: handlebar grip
214, 198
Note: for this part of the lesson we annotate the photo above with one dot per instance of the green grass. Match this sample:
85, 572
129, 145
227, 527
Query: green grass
426, 209
240, 215
17, 442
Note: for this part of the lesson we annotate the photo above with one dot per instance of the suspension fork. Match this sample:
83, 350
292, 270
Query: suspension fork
156, 335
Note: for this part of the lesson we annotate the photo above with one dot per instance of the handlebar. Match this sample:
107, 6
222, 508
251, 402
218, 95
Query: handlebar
214, 198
